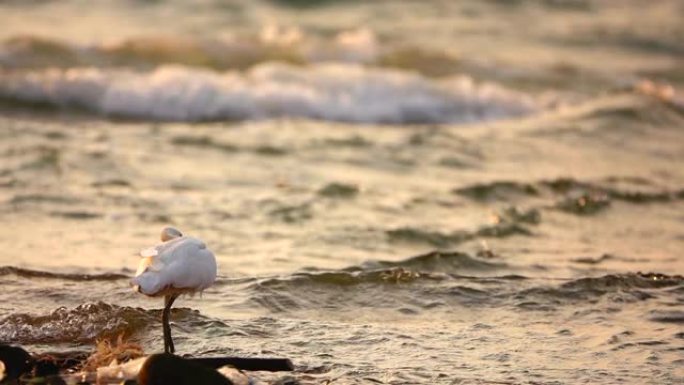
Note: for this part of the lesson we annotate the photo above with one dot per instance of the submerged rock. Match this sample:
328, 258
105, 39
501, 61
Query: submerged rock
167, 369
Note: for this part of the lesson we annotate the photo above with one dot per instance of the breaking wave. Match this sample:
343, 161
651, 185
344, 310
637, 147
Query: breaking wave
85, 324
335, 92
90, 322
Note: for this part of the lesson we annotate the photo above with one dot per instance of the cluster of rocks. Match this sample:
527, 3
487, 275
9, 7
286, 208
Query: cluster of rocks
17, 366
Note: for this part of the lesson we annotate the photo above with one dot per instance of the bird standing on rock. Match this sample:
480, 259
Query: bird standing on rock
178, 265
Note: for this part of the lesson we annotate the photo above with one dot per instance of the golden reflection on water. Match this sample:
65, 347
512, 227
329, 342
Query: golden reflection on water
323, 230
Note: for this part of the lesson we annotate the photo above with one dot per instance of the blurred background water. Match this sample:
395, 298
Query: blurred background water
396, 191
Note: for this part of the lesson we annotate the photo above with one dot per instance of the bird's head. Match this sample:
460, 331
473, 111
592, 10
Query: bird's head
170, 233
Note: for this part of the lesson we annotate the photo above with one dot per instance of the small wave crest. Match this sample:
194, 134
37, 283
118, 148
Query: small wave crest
439, 239
571, 195
381, 288
411, 285
350, 278
439, 262
421, 282
628, 287
28, 273
335, 92
432, 266
614, 282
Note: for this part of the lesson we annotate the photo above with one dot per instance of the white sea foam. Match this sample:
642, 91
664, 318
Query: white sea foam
339, 92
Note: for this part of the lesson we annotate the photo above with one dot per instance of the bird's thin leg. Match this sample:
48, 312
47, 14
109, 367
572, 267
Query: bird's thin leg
168, 341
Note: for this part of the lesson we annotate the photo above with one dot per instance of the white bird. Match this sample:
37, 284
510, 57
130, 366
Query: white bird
178, 265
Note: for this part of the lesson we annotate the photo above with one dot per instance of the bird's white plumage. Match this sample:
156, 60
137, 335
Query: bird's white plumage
181, 264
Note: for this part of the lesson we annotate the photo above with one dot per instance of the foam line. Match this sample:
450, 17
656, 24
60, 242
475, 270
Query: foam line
335, 92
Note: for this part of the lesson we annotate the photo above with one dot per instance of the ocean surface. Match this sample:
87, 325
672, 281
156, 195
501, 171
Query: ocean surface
397, 192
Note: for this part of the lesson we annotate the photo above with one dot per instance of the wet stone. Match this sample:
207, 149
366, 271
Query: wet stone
164, 369
16, 361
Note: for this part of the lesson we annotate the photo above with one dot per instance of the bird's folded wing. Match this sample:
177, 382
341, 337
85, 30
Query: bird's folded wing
180, 250
167, 253
160, 248
149, 264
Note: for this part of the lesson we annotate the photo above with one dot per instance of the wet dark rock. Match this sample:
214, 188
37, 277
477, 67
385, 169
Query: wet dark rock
244, 363
17, 361
168, 369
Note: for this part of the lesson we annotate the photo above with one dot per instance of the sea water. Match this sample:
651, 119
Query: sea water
397, 192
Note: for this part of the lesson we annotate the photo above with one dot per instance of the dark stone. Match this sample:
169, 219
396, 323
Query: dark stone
168, 369
44, 368
251, 364
17, 361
